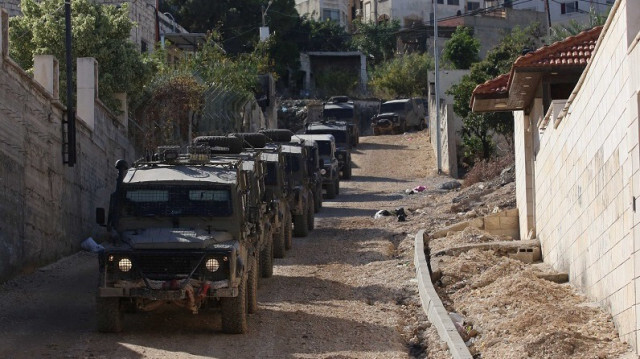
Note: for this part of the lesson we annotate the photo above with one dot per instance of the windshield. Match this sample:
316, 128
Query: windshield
324, 147
392, 107
340, 136
176, 201
337, 113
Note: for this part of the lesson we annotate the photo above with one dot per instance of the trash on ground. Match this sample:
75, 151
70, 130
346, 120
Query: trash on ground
451, 185
91, 246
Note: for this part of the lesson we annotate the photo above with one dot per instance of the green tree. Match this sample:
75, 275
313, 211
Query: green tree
376, 41
403, 76
477, 128
462, 49
323, 36
99, 31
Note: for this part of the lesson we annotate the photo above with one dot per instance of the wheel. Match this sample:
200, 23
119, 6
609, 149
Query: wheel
337, 186
376, 131
252, 139
346, 174
234, 311
423, 125
317, 199
110, 315
288, 240
300, 224
252, 287
310, 217
220, 144
266, 259
403, 128
331, 190
279, 239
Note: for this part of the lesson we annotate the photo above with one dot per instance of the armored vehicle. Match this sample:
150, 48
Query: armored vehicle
178, 234
314, 166
340, 133
330, 171
341, 108
398, 115
297, 180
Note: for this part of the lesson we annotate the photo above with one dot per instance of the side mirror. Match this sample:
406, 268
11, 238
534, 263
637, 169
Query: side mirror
100, 217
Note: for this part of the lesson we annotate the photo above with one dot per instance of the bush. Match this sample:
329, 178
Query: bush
486, 170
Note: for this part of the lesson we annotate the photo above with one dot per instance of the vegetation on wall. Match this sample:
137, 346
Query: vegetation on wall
403, 76
376, 41
99, 31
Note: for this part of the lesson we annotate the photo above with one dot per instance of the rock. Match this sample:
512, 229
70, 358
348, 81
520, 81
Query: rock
507, 175
451, 185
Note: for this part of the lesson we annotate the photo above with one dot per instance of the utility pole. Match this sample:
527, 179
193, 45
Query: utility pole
437, 84
69, 147
546, 7
264, 30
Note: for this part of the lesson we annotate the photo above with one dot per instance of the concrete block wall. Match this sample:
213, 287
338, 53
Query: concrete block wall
586, 180
47, 208
11, 6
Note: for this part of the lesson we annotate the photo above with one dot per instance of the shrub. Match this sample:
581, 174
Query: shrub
486, 170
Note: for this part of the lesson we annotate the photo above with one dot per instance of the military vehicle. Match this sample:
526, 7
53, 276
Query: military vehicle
178, 227
340, 133
314, 168
260, 219
330, 171
341, 108
298, 180
398, 115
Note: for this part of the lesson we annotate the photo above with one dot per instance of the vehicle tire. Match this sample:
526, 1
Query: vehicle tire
310, 215
331, 190
288, 234
279, 240
337, 186
403, 128
220, 144
317, 200
109, 314
252, 287
423, 125
301, 224
266, 259
347, 172
278, 135
376, 131
252, 139
234, 311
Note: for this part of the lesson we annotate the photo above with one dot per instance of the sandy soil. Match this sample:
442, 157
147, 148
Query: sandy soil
348, 290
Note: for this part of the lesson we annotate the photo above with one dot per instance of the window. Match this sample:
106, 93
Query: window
473, 5
440, 1
453, 2
144, 46
633, 22
569, 7
331, 14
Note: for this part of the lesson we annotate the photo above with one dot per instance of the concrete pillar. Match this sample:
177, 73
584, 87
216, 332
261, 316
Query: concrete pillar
87, 74
46, 72
363, 73
123, 117
4, 36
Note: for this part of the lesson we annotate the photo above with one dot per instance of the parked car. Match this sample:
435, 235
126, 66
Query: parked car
398, 115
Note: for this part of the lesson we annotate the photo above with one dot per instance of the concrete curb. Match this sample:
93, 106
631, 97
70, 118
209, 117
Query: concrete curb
433, 307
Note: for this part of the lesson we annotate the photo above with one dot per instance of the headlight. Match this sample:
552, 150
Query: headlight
212, 264
323, 171
125, 264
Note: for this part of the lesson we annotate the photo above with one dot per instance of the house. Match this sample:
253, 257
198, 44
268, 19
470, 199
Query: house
577, 149
341, 11
318, 66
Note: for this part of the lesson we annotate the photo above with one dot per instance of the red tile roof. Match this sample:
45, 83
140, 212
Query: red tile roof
494, 86
572, 51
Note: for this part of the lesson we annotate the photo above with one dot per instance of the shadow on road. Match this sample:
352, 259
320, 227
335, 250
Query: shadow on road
379, 146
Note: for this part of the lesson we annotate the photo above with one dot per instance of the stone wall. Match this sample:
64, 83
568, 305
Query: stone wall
587, 179
46, 207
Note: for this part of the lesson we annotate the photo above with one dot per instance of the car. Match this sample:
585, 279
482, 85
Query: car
341, 108
340, 131
399, 115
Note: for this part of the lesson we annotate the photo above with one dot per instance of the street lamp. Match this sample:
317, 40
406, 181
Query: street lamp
264, 29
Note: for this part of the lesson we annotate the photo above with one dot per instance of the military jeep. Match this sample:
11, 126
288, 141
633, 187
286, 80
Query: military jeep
340, 132
314, 168
330, 171
300, 188
178, 227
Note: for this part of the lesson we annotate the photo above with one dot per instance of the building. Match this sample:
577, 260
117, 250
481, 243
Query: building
340, 11
577, 150
563, 11
316, 63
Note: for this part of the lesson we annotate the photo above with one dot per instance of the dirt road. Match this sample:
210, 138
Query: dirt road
345, 291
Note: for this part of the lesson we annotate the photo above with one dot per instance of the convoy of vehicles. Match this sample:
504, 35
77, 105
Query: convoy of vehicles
199, 229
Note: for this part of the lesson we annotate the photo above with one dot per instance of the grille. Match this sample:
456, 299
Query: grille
164, 265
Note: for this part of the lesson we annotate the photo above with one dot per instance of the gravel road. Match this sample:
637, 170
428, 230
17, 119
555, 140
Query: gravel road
345, 291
